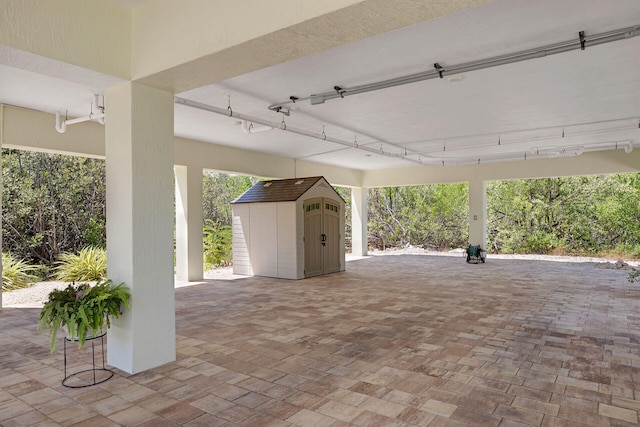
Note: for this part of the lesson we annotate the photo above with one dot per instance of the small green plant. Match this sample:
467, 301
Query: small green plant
42, 272
217, 244
634, 275
94, 232
82, 309
16, 274
87, 265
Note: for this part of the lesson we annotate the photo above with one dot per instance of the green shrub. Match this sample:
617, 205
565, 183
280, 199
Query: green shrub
87, 265
627, 249
42, 272
539, 242
94, 232
16, 274
217, 245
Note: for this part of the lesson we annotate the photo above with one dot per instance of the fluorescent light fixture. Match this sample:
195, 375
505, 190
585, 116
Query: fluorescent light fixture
440, 71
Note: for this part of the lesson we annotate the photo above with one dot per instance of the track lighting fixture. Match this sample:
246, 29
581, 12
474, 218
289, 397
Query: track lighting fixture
439, 71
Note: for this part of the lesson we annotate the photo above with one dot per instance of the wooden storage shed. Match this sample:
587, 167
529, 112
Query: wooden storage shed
289, 228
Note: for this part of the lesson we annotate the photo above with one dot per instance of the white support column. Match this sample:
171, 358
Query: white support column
140, 220
1, 187
359, 220
188, 223
478, 213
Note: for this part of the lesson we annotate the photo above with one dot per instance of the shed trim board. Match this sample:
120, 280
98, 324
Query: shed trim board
269, 229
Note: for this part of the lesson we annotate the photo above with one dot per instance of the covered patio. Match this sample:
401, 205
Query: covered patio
391, 341
386, 94
366, 93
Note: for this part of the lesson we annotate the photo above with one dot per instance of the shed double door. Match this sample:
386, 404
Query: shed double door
321, 236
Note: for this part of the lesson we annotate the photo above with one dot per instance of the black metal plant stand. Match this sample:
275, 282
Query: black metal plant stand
94, 378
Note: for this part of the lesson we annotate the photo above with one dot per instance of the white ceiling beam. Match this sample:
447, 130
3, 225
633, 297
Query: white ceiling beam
164, 31
593, 163
88, 34
33, 130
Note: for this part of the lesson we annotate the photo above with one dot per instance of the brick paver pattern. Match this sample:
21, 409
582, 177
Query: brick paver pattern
396, 340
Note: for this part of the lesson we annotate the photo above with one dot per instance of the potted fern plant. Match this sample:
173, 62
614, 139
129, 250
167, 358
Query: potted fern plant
82, 309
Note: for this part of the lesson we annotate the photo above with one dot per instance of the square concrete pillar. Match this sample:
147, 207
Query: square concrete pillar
1, 184
478, 213
189, 263
359, 221
140, 221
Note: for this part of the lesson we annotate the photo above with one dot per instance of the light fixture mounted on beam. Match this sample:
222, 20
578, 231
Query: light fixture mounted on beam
439, 71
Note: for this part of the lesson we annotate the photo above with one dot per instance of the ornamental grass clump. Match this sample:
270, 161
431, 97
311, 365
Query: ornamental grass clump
16, 274
87, 265
83, 309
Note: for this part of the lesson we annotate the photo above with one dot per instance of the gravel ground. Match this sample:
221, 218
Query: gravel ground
35, 295
461, 253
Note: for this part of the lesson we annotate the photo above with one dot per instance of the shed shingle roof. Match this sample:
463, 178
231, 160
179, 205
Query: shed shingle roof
280, 190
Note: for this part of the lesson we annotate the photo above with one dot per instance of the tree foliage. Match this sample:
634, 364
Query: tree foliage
218, 191
575, 215
431, 216
51, 204
345, 193
217, 245
54, 204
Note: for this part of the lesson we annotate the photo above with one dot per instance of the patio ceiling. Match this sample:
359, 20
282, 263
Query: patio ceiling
558, 105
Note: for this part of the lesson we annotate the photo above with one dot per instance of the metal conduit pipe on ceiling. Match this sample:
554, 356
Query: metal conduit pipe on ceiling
323, 137
535, 154
437, 72
423, 158
441, 71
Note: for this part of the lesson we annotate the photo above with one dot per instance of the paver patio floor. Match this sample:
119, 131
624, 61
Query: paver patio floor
394, 340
